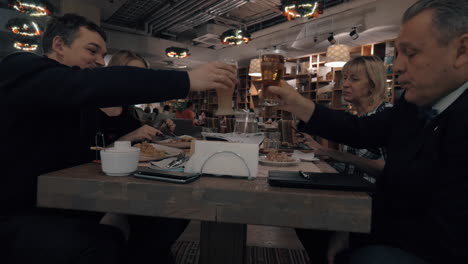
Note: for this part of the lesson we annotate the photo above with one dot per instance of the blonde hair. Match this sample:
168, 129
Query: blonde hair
124, 57
375, 69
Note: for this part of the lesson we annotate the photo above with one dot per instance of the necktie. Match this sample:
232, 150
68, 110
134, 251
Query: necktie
429, 114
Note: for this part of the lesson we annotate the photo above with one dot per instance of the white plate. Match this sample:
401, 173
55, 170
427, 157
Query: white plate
309, 159
265, 162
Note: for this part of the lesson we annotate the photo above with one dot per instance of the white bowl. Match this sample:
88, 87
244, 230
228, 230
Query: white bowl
120, 160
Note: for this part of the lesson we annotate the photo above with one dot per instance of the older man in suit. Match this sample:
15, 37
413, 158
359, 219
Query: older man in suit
420, 209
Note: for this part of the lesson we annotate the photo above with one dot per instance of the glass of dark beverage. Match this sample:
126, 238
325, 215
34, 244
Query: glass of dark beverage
272, 68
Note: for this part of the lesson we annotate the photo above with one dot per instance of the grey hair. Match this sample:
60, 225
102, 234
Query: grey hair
450, 18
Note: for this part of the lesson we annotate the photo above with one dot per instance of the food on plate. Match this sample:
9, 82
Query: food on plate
181, 139
276, 156
147, 149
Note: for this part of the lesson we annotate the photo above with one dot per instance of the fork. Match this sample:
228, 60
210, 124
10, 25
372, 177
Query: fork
178, 161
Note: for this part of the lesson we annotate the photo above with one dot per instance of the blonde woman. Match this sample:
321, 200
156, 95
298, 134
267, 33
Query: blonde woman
364, 87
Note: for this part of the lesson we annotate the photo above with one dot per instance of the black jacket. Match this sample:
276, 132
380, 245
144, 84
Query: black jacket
421, 203
41, 121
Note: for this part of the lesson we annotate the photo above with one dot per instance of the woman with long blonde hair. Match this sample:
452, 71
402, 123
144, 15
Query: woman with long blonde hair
365, 88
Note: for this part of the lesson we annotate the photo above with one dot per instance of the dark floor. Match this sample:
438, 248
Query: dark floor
260, 236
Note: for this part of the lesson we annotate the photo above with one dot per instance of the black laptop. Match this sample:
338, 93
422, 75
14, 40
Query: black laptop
319, 180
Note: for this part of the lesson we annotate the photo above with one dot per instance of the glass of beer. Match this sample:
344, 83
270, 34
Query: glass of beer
225, 96
272, 68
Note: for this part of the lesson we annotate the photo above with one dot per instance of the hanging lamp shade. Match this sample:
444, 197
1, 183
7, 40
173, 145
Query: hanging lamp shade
254, 68
337, 56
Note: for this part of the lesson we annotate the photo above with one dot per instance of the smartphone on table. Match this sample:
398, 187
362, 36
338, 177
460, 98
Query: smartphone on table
165, 175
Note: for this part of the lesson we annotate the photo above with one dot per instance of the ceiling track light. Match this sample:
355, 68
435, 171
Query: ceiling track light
331, 38
353, 34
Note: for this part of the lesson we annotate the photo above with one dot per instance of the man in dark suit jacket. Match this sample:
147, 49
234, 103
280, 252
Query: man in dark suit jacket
57, 86
420, 209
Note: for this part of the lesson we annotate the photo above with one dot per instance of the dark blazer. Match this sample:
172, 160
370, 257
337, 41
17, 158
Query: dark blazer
42, 127
421, 203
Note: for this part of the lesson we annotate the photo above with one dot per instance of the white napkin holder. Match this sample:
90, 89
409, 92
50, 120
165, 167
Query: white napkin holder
224, 159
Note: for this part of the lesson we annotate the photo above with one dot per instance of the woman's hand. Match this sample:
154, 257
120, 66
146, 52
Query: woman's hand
168, 125
292, 101
319, 150
143, 133
311, 142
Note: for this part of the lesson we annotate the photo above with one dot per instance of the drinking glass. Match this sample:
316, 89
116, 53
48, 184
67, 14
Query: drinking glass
225, 96
245, 122
271, 141
272, 68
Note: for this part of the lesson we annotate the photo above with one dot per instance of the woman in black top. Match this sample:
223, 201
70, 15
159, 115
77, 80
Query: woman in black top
151, 236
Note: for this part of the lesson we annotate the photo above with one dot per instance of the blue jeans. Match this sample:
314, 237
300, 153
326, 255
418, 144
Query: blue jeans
382, 255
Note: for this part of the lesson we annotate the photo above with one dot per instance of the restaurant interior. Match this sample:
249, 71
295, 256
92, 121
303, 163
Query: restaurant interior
184, 34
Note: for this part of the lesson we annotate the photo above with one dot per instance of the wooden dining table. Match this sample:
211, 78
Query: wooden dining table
223, 205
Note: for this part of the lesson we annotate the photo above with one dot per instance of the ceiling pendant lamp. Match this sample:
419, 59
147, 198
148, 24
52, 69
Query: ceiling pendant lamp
26, 44
337, 56
301, 8
235, 37
35, 8
23, 27
176, 52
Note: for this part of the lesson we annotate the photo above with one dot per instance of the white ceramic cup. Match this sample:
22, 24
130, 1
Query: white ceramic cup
121, 160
